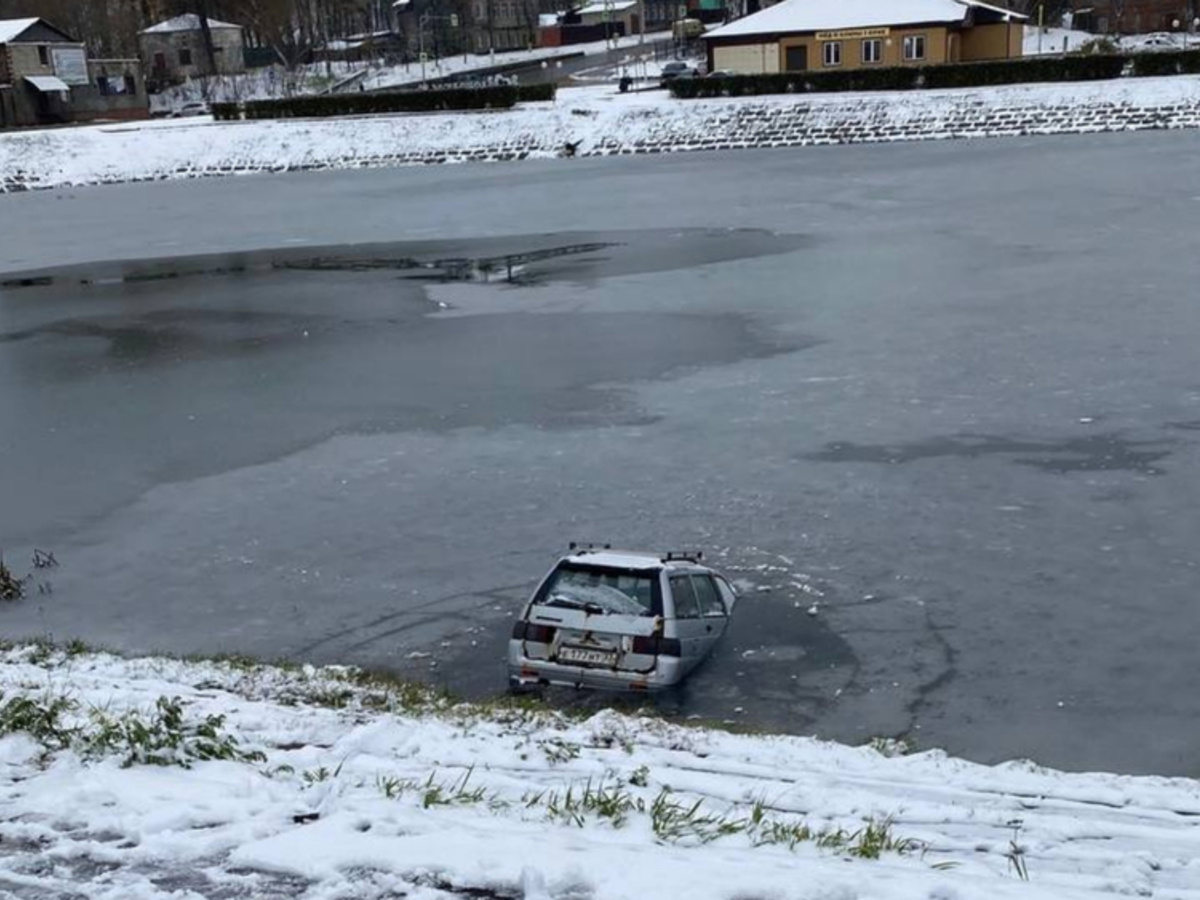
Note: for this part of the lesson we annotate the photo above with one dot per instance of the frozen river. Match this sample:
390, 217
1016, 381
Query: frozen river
936, 407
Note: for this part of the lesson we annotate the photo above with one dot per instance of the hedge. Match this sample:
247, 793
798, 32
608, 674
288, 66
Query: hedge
903, 78
435, 100
1179, 62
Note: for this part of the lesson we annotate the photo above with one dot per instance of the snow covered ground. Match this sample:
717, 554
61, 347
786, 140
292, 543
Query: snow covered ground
276, 81
1053, 40
393, 76
257, 84
597, 119
1059, 40
153, 778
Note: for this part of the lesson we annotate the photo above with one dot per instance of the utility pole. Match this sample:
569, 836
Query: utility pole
421, 47
206, 36
429, 17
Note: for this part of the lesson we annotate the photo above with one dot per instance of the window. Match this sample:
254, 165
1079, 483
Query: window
914, 46
832, 53
707, 596
185, 56
598, 589
44, 55
684, 596
872, 51
727, 593
160, 62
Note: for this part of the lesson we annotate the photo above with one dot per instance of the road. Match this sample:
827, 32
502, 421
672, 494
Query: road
935, 406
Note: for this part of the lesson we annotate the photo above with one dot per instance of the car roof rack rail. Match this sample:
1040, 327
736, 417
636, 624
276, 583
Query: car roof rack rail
693, 556
587, 547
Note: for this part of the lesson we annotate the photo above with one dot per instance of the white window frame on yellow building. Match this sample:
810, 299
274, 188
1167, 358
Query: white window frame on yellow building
910, 40
876, 57
826, 47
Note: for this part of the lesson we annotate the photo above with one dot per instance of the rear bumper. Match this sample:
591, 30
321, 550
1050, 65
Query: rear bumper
524, 672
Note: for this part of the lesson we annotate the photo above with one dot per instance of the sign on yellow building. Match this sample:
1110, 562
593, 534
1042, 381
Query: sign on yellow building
850, 34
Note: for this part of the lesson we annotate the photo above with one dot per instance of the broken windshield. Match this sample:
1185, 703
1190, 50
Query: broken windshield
599, 590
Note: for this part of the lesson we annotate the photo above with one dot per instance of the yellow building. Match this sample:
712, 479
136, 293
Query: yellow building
823, 35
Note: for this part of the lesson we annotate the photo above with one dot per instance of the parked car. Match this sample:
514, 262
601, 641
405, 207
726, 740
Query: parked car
721, 73
194, 108
619, 620
1158, 42
677, 69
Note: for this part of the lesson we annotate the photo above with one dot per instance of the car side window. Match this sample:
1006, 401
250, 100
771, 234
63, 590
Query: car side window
684, 596
728, 594
707, 596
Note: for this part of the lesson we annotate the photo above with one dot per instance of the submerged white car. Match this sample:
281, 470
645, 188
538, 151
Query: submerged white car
619, 620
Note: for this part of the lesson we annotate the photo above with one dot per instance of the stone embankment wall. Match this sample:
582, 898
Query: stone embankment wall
37, 161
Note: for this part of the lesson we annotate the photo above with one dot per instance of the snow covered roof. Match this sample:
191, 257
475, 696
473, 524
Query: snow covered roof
837, 15
12, 28
625, 559
600, 7
186, 22
48, 84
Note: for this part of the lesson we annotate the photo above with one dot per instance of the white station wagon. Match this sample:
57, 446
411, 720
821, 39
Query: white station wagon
620, 620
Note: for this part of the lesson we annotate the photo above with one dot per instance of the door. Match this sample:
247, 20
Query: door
712, 611
795, 59
689, 624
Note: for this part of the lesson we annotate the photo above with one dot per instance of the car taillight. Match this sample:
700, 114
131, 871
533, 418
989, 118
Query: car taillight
656, 646
537, 634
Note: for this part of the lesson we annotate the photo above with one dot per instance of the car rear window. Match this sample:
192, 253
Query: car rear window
600, 589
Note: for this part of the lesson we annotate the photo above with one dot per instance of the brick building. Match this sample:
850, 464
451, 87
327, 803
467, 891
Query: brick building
503, 24
174, 50
46, 78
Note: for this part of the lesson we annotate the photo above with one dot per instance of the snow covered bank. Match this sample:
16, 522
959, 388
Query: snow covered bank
323, 784
276, 81
635, 47
597, 120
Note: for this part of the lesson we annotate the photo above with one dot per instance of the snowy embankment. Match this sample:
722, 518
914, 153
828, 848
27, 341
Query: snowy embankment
596, 121
153, 778
635, 46
274, 82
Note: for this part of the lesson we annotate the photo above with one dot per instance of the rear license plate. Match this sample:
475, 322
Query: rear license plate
585, 657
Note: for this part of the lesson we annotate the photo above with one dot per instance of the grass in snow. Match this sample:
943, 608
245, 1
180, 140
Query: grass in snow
672, 820
167, 735
162, 736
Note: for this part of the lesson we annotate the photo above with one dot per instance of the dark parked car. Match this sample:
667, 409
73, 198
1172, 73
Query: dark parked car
677, 69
